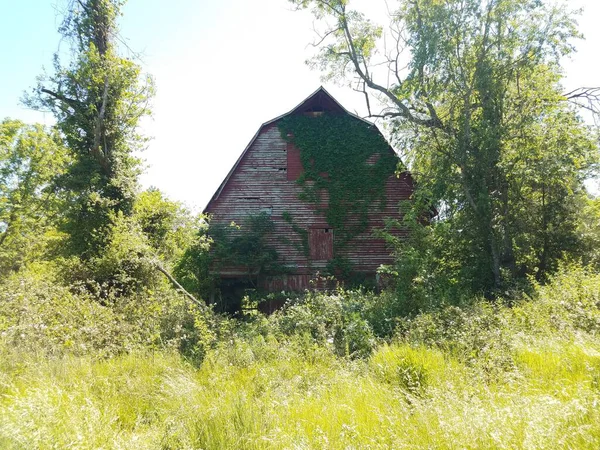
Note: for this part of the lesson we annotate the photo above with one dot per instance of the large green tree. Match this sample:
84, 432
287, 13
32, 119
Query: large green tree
98, 98
31, 157
471, 91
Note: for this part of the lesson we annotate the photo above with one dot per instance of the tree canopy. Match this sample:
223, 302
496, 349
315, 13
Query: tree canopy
98, 98
474, 101
31, 158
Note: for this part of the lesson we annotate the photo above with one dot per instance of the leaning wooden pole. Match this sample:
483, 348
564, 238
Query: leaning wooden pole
178, 286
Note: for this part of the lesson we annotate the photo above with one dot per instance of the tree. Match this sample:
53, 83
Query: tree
169, 227
475, 101
31, 157
98, 98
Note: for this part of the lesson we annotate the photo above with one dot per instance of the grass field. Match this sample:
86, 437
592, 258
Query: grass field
485, 377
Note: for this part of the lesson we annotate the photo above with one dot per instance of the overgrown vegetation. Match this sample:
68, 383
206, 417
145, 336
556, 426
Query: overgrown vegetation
348, 160
221, 247
98, 98
101, 347
482, 376
470, 92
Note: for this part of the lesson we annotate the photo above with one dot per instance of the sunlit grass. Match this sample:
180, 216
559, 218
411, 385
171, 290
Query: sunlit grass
258, 395
490, 376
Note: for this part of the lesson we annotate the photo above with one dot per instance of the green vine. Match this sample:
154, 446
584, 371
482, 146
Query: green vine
338, 153
245, 247
303, 247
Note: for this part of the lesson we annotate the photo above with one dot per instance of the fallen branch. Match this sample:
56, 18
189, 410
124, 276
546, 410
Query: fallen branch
178, 286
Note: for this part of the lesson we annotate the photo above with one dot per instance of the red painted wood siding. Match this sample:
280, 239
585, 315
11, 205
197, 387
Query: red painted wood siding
258, 184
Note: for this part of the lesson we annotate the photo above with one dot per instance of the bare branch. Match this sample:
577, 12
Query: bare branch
69, 101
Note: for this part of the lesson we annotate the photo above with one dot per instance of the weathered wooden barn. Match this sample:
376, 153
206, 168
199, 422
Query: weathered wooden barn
321, 221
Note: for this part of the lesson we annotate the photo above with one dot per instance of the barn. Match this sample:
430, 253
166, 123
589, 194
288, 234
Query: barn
305, 199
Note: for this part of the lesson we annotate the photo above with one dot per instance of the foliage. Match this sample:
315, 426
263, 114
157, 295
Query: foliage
302, 233
479, 112
31, 157
590, 231
239, 246
438, 385
168, 225
97, 98
428, 272
158, 232
406, 367
485, 335
192, 270
39, 315
333, 319
246, 246
336, 152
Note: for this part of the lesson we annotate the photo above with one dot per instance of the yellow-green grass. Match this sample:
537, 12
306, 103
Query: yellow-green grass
272, 395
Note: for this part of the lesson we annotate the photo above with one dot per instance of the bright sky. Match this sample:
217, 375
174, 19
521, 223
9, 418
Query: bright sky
222, 68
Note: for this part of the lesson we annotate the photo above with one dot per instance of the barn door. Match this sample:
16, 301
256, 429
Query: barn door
294, 163
320, 244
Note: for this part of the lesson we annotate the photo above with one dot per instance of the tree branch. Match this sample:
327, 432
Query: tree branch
178, 286
69, 101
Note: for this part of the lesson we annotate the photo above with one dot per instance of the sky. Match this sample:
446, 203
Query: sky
221, 68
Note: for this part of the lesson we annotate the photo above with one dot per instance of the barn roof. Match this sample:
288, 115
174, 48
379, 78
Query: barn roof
320, 100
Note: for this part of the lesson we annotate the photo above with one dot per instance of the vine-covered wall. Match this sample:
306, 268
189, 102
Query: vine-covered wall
348, 159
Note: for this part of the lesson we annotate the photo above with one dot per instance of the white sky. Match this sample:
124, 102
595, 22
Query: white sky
222, 68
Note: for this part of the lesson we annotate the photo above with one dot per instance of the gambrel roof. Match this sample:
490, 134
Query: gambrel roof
320, 100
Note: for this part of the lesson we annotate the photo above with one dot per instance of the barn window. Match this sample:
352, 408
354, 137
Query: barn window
294, 164
320, 244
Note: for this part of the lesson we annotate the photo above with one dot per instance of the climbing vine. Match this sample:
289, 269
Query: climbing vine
347, 158
303, 247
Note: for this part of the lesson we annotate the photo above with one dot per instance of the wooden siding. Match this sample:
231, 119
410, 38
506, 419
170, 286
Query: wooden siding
263, 181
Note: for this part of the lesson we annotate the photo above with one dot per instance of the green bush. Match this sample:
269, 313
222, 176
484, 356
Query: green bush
39, 314
333, 319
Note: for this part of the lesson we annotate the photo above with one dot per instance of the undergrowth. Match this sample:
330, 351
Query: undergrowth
318, 374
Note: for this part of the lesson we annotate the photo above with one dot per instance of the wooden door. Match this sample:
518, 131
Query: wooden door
320, 244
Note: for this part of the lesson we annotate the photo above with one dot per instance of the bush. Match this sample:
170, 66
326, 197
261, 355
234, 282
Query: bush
486, 334
39, 314
333, 319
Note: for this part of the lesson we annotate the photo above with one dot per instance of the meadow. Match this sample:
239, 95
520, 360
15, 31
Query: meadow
519, 374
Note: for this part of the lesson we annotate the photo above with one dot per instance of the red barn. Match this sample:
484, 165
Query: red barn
319, 225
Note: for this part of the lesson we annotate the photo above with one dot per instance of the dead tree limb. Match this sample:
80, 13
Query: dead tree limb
178, 286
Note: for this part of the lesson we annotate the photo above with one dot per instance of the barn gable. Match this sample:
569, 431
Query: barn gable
318, 101
263, 180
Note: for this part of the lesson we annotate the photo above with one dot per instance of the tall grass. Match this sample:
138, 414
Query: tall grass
484, 377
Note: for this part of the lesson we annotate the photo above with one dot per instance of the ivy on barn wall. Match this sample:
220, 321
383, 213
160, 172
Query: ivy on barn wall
303, 247
245, 246
346, 157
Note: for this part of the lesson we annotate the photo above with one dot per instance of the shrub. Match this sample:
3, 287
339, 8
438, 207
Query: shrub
409, 368
39, 314
331, 319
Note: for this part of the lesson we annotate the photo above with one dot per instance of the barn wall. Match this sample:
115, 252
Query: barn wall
262, 182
